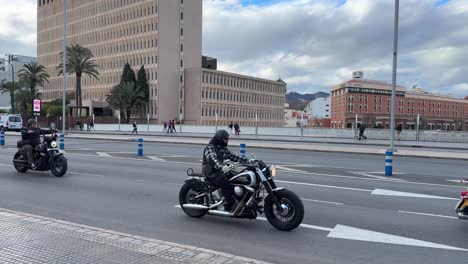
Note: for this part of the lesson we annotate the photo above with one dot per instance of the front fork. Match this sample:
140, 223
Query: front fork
271, 188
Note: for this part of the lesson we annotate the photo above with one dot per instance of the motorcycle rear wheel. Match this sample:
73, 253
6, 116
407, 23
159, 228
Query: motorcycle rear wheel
187, 195
19, 168
289, 218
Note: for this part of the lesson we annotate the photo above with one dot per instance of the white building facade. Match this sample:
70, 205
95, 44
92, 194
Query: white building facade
319, 108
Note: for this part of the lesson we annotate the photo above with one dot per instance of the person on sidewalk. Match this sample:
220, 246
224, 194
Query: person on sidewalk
231, 125
212, 167
173, 126
399, 128
237, 129
92, 125
165, 126
88, 126
135, 128
362, 128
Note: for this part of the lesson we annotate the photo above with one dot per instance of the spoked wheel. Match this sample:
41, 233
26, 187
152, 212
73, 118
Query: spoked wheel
188, 195
20, 168
59, 166
291, 213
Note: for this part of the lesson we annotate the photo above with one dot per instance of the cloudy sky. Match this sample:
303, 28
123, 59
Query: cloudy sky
314, 44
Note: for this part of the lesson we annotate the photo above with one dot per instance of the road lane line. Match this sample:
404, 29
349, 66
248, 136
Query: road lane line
426, 214
104, 154
86, 174
319, 201
155, 158
326, 186
408, 194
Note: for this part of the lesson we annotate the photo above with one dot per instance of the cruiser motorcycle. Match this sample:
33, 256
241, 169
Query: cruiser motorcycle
462, 206
46, 157
283, 208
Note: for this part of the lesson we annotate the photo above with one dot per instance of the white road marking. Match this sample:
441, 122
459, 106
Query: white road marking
104, 154
407, 194
352, 233
457, 181
86, 174
426, 214
288, 169
326, 186
319, 201
155, 158
368, 174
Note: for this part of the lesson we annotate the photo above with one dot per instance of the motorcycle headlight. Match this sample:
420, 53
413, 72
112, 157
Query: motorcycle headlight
53, 144
273, 170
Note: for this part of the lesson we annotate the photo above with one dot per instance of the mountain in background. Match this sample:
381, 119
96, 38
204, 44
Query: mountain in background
299, 101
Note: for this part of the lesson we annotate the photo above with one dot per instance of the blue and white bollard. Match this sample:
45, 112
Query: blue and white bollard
388, 162
2, 137
242, 150
62, 142
140, 147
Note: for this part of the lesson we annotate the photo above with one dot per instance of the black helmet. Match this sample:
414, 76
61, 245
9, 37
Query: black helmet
219, 138
31, 121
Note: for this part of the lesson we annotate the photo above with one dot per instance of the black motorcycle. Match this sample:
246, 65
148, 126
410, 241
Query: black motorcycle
46, 157
283, 209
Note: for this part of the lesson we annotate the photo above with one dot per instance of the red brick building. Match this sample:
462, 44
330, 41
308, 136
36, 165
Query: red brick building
370, 100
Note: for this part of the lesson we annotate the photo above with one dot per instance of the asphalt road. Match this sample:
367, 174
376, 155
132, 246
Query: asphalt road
353, 213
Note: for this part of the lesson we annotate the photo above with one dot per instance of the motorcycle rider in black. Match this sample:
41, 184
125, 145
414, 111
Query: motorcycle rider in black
215, 172
31, 137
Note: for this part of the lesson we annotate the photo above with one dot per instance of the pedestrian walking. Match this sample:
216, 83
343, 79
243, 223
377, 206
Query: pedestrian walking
362, 128
135, 128
173, 127
237, 129
165, 126
92, 125
88, 126
230, 127
169, 127
78, 124
399, 128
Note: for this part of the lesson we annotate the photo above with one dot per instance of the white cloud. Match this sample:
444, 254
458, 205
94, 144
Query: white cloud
321, 42
313, 44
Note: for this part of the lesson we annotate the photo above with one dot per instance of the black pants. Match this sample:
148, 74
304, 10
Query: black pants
28, 151
226, 187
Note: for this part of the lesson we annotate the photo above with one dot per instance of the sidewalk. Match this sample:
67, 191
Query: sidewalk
26, 238
297, 145
309, 139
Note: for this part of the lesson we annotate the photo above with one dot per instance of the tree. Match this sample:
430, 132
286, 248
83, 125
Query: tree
79, 61
23, 100
124, 97
143, 84
33, 75
12, 89
128, 75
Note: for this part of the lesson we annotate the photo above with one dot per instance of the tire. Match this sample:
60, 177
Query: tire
19, 168
59, 166
294, 214
186, 195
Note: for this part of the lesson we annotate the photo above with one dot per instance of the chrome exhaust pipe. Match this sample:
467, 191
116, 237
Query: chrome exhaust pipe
217, 204
220, 213
195, 206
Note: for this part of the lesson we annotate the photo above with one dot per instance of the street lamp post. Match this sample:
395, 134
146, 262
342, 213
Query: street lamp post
64, 61
389, 153
12, 95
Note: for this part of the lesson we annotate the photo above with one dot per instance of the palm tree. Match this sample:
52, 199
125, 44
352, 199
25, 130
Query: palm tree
33, 75
124, 97
79, 62
9, 87
23, 100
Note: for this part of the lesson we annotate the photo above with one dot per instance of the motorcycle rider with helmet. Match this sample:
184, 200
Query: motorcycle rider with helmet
31, 137
215, 172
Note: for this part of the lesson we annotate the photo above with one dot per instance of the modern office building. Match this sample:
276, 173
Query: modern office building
166, 37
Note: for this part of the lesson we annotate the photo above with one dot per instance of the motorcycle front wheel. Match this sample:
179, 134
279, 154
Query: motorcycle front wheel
59, 166
187, 195
292, 212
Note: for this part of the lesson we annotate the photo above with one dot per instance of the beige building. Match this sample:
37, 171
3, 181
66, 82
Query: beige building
163, 35
222, 97
166, 37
